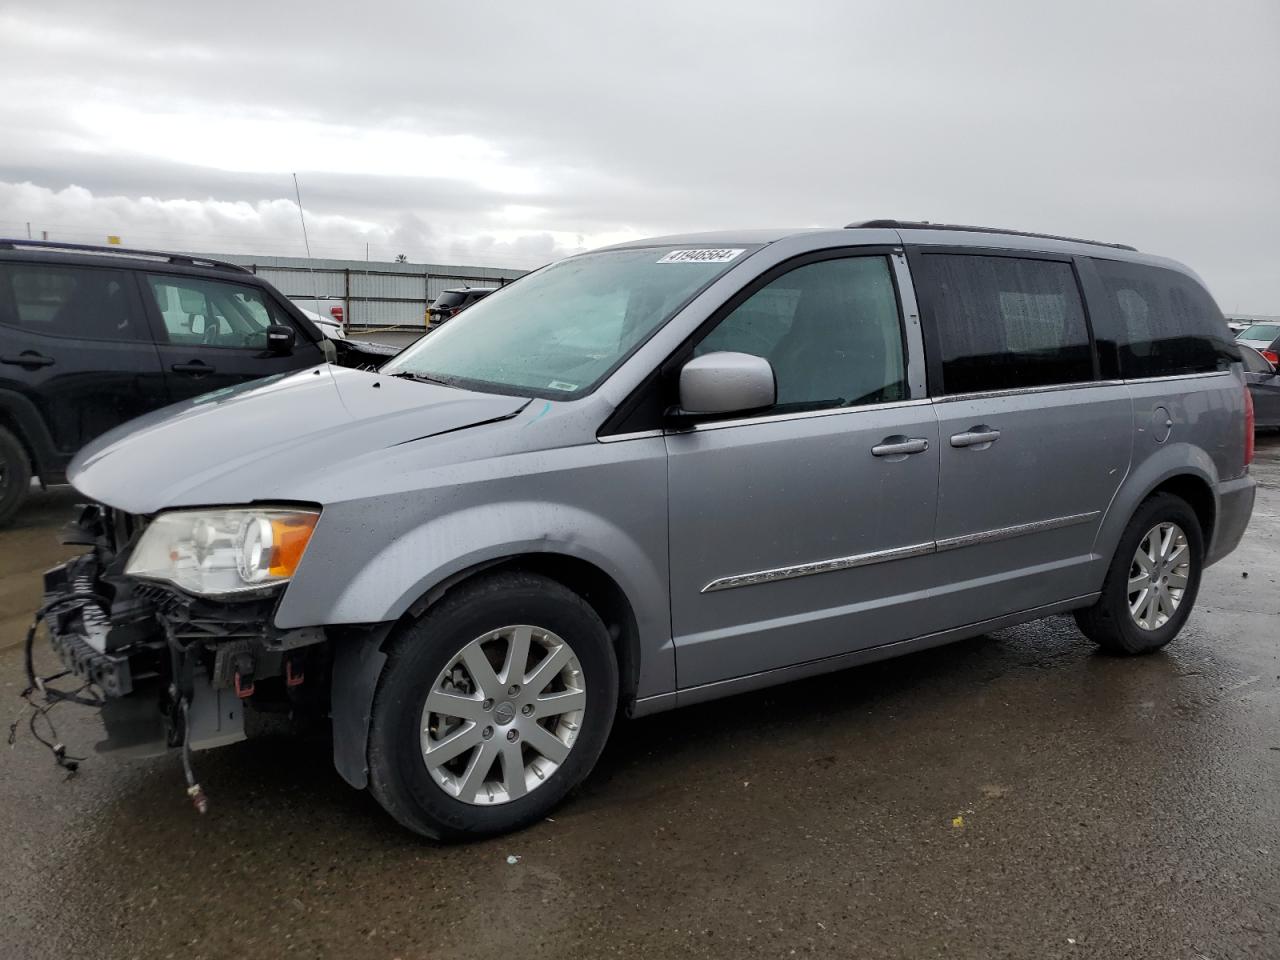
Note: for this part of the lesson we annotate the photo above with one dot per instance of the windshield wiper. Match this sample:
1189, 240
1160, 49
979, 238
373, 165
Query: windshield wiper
421, 378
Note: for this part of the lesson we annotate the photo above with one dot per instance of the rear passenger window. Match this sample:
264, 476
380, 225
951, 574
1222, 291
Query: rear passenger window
831, 331
86, 303
1166, 324
1002, 323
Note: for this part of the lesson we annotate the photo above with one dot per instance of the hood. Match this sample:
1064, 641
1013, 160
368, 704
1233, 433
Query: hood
267, 439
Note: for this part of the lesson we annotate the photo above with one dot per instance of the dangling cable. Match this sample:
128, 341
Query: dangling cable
40, 684
194, 790
52, 695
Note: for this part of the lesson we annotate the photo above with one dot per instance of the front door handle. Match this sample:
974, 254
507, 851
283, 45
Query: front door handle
979, 436
28, 358
899, 446
195, 368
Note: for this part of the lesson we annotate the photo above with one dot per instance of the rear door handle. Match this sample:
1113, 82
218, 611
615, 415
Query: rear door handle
195, 368
899, 446
976, 437
29, 359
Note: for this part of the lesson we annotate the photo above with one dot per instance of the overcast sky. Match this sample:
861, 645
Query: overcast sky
510, 133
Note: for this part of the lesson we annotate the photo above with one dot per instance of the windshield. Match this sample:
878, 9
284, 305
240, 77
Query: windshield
558, 332
1261, 331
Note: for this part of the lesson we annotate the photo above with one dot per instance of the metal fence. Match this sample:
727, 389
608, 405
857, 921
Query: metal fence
373, 294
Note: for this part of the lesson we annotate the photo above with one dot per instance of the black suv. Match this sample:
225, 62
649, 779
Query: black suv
93, 336
450, 303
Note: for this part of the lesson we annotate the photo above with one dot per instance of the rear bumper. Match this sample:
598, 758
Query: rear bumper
1235, 507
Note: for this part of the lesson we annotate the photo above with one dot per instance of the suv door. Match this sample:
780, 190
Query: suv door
74, 342
213, 333
1033, 446
803, 532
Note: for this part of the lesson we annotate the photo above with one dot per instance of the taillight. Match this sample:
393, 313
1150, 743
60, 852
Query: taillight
1248, 427
1272, 356
336, 313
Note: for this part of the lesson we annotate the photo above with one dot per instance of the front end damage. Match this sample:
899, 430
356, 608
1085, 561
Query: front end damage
174, 670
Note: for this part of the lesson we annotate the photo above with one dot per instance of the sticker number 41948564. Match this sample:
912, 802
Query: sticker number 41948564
700, 256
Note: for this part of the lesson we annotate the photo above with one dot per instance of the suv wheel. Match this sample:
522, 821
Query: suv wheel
1152, 582
491, 708
15, 475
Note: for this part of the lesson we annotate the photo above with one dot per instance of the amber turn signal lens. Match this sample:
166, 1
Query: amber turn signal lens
289, 538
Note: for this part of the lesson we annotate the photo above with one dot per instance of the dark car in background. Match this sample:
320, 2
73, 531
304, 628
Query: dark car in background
1264, 386
91, 337
450, 303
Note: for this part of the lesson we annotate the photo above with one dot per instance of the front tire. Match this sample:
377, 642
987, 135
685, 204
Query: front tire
1152, 582
491, 708
15, 476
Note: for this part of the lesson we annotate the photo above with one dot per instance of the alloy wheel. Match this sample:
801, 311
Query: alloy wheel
503, 715
1158, 575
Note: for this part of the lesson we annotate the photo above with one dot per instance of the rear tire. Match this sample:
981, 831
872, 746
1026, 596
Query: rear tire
526, 751
1147, 597
15, 476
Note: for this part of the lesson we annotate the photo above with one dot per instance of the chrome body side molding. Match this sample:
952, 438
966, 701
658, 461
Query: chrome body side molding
896, 553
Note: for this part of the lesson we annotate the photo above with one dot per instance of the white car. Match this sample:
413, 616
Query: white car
327, 313
1263, 337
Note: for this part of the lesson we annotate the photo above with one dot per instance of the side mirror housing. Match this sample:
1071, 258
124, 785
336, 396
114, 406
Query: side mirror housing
280, 339
724, 382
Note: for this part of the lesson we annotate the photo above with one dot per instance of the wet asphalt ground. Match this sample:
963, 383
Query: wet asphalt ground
1017, 795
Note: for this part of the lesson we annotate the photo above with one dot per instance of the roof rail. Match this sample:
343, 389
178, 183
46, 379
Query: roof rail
926, 225
183, 259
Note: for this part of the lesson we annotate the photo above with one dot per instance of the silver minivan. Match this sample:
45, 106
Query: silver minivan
652, 475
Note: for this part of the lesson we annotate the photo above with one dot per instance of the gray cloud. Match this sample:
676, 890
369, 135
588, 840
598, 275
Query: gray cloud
1146, 123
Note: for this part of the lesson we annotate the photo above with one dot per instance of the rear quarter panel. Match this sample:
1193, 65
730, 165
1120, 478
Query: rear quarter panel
1205, 439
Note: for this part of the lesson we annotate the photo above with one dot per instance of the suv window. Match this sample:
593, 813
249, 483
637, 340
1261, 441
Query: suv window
1166, 323
830, 329
1003, 323
449, 298
213, 313
87, 303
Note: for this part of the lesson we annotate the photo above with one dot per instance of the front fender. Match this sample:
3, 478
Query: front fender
408, 566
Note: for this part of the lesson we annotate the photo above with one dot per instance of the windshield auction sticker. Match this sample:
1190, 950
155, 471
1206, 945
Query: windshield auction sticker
700, 256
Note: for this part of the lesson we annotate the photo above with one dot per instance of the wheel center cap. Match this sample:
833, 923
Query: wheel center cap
504, 713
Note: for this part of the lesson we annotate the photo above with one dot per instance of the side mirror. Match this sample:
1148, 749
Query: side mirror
725, 382
280, 339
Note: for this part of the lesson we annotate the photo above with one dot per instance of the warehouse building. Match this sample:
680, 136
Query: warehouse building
374, 294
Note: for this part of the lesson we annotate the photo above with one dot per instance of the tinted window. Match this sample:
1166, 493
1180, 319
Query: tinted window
211, 313
82, 302
1002, 322
1165, 322
830, 329
449, 299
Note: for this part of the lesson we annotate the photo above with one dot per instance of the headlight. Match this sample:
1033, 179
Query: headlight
220, 552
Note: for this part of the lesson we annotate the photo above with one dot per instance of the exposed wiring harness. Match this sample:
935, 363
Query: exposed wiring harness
53, 696
85, 696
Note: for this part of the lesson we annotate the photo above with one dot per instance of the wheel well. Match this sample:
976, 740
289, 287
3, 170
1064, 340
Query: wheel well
8, 422
585, 579
1198, 496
